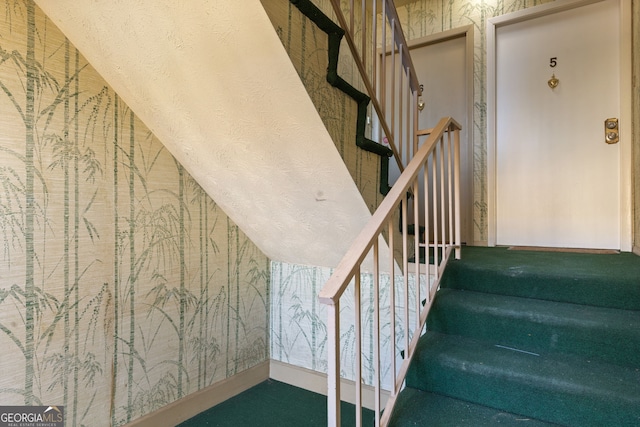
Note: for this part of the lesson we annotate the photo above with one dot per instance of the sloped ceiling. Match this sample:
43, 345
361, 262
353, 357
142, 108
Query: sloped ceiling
211, 79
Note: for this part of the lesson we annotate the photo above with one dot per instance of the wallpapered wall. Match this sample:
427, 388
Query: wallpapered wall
298, 321
123, 287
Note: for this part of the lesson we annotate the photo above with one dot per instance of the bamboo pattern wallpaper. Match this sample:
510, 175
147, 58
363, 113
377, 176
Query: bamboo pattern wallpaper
298, 320
123, 287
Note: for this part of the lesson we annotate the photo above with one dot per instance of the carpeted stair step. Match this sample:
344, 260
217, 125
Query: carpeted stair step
551, 387
596, 333
420, 408
604, 280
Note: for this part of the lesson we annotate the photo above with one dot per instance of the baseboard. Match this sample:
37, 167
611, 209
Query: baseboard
317, 382
191, 405
636, 250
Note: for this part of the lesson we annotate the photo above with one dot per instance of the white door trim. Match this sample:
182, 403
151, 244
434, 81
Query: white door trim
625, 109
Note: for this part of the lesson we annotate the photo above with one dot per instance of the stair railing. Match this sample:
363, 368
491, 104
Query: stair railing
436, 235
388, 74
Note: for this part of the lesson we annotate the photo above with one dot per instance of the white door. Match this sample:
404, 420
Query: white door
557, 180
443, 68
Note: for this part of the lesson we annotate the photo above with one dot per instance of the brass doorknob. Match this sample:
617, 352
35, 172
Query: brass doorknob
611, 131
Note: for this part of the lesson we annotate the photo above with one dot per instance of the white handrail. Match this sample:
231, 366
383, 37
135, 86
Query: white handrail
440, 155
381, 53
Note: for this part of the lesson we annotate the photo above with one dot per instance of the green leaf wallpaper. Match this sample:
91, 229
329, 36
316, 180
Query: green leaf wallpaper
298, 320
123, 286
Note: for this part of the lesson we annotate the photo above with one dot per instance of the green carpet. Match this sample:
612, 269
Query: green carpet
276, 404
529, 337
545, 386
611, 280
604, 334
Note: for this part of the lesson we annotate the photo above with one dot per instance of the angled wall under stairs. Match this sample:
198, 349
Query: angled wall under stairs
214, 84
533, 338
313, 41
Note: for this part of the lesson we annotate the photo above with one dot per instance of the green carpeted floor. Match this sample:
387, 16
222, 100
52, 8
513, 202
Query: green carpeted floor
276, 404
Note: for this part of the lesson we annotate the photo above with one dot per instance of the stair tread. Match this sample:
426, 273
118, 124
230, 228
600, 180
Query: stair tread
601, 333
609, 280
495, 359
420, 408
553, 387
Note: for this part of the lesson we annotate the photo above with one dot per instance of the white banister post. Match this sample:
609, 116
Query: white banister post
416, 243
333, 365
434, 195
376, 332
456, 177
443, 219
358, 346
392, 306
451, 222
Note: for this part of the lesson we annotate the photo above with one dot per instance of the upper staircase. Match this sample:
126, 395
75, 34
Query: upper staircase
534, 338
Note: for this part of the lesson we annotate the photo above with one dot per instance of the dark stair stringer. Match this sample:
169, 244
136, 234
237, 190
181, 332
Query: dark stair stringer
335, 34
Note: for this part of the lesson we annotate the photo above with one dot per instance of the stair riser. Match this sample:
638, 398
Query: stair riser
540, 326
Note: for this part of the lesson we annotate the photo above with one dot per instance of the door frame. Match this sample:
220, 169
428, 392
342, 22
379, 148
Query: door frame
626, 161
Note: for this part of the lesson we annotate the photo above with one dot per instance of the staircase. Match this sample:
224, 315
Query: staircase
534, 338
